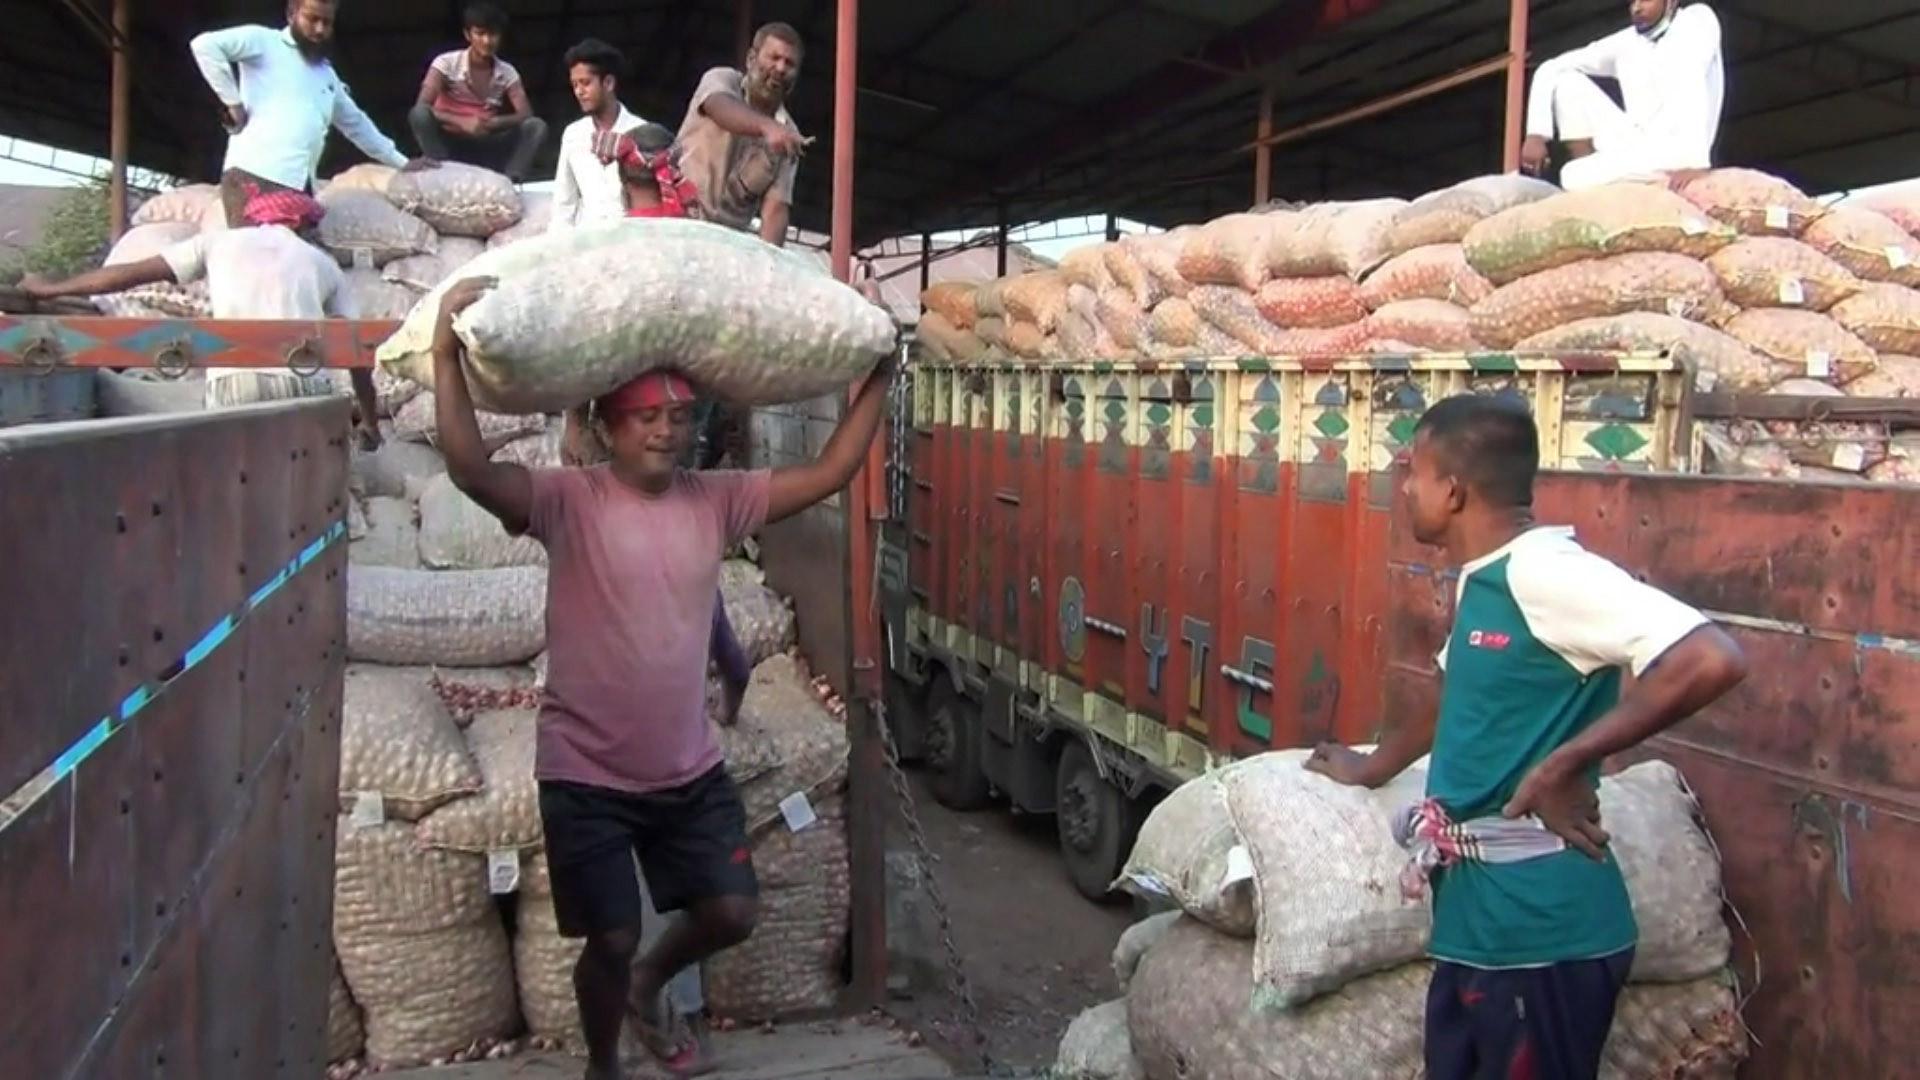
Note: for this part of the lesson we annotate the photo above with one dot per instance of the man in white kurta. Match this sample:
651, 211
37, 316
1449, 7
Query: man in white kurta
1672, 83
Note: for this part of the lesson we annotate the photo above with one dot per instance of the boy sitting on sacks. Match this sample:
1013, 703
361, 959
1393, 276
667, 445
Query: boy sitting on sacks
626, 760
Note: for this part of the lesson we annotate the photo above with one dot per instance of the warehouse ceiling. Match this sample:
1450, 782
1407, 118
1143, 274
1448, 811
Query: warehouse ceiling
1037, 110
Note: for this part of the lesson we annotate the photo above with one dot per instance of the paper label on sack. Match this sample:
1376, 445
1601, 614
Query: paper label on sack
1239, 866
1777, 218
1897, 257
503, 871
1706, 380
1793, 292
362, 259
1679, 306
1819, 364
369, 810
1851, 457
1693, 226
798, 811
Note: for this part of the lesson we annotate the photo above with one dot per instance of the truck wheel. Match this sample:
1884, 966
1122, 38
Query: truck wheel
1097, 823
906, 705
953, 749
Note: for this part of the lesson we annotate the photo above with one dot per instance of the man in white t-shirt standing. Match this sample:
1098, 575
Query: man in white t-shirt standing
1672, 80
268, 269
586, 185
472, 105
738, 144
282, 103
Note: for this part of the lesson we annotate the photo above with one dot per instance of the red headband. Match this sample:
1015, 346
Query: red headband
653, 390
294, 209
676, 192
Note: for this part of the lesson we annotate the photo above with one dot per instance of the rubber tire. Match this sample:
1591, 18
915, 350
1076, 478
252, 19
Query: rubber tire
907, 718
959, 782
1116, 819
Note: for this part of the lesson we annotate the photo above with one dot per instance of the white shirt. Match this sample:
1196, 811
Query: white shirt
290, 102
585, 191
262, 272
1673, 87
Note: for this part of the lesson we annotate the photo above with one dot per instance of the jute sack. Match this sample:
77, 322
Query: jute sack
1435, 272
785, 742
1311, 303
391, 537
145, 392
1334, 341
366, 176
1039, 298
1123, 319
420, 272
397, 740
952, 301
1642, 281
1357, 234
1083, 338
735, 573
1097, 1047
1441, 217
184, 204
361, 228
458, 618
1186, 853
1087, 266
1159, 255
505, 814
1189, 1014
1774, 271
376, 298
536, 215
1754, 203
1834, 447
1885, 317
543, 961
791, 963
1137, 940
1897, 376
391, 392
1508, 190
346, 1034
1425, 324
389, 470
166, 298
1129, 274
1234, 313
540, 451
935, 331
582, 311
415, 421
457, 199
1326, 876
1867, 243
761, 620
1174, 322
1612, 220
1804, 343
1188, 1018
457, 533
1901, 206
1902, 463
1230, 250
421, 945
1027, 340
1718, 360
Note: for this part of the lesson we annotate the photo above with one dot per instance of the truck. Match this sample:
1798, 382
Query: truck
1098, 580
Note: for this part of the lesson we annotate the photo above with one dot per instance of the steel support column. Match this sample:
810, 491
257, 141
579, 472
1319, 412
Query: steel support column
1000, 239
119, 135
1113, 228
926, 261
742, 30
1516, 85
1263, 157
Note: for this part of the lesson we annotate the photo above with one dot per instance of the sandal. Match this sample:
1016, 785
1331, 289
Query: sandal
669, 1038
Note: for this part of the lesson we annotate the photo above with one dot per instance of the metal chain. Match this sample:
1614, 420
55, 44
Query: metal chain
957, 982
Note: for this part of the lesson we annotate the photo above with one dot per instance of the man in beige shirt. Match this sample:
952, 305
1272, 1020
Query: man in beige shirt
738, 145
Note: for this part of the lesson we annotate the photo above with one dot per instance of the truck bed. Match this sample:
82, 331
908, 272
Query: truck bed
840, 1051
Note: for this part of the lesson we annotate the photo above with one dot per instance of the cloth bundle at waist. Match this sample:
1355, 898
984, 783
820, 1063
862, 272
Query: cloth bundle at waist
1433, 840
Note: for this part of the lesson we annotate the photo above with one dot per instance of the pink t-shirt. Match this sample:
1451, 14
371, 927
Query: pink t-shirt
630, 585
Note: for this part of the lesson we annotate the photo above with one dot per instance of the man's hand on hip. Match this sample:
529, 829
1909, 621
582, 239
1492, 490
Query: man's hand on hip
235, 119
1533, 155
1565, 803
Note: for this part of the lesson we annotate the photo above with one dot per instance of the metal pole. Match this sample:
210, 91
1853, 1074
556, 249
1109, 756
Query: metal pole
1113, 228
845, 93
1516, 84
1388, 103
1000, 240
120, 117
742, 29
1263, 157
926, 261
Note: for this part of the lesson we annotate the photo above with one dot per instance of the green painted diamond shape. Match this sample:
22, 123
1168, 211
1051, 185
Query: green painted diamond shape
1158, 414
1202, 416
1331, 424
1267, 420
1116, 411
1402, 427
1616, 442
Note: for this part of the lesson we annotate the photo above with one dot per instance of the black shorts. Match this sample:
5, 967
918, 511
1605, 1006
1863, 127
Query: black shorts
1545, 1023
691, 840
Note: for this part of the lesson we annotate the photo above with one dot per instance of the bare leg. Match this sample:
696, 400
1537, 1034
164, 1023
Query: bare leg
705, 929
600, 984
1579, 148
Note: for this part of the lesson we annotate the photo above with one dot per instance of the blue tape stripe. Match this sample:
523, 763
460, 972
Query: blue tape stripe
143, 696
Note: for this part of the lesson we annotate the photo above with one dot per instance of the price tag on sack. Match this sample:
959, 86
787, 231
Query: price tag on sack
798, 811
1819, 364
1705, 380
362, 259
1777, 218
1851, 457
1793, 291
1898, 258
1693, 226
1239, 866
503, 871
369, 810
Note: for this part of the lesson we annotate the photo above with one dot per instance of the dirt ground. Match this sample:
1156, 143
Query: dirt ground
1036, 951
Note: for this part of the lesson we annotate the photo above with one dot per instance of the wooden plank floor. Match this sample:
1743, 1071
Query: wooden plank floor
843, 1051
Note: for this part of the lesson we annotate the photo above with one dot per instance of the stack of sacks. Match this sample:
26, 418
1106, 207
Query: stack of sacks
1294, 952
400, 234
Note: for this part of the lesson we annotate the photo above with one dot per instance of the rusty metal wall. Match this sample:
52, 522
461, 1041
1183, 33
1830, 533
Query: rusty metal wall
1809, 772
170, 751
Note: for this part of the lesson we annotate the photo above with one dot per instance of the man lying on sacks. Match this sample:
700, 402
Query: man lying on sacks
1533, 935
626, 760
1672, 81
271, 268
